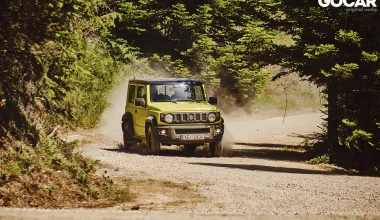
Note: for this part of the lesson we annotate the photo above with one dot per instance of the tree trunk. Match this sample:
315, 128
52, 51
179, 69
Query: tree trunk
333, 119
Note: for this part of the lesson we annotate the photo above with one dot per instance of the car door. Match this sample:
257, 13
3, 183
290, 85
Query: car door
140, 112
130, 102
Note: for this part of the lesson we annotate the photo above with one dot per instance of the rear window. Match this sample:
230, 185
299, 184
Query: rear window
131, 93
141, 92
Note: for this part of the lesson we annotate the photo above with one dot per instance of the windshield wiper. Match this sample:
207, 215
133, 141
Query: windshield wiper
185, 100
175, 100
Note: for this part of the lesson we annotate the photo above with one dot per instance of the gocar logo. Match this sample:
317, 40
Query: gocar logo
348, 3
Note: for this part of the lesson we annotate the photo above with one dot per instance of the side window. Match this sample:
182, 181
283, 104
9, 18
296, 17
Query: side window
141, 92
198, 93
131, 93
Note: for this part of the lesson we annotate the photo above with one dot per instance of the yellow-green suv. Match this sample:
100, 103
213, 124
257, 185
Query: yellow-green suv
171, 112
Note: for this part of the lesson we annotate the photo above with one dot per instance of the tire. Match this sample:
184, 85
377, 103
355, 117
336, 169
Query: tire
154, 144
127, 136
190, 148
216, 148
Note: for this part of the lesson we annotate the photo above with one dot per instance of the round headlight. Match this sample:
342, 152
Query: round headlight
169, 118
211, 117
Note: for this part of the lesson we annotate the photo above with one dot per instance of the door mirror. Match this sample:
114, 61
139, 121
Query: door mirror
213, 100
140, 102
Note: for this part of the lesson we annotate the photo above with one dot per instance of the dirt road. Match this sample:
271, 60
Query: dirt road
260, 176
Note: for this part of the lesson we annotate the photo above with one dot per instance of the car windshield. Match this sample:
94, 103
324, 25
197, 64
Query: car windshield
177, 92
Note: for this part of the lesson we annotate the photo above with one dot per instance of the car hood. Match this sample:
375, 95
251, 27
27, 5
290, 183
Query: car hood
182, 107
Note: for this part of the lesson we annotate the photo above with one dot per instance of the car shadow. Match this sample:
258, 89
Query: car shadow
301, 152
255, 167
260, 151
166, 151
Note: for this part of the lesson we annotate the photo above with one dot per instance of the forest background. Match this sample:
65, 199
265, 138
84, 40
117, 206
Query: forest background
59, 60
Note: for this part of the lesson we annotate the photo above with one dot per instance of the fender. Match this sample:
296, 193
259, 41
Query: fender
127, 118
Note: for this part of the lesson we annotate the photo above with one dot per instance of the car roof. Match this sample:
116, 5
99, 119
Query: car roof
164, 80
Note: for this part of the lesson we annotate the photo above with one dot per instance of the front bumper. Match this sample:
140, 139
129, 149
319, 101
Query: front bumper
194, 134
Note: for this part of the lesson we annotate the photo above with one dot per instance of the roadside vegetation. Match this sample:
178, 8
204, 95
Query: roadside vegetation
60, 59
289, 94
58, 63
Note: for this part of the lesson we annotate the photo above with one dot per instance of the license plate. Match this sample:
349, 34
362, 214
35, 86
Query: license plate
192, 136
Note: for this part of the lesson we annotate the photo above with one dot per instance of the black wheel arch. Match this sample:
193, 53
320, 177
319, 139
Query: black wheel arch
127, 118
150, 121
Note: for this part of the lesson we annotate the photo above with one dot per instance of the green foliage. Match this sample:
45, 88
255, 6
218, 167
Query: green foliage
65, 56
356, 137
58, 62
344, 71
218, 41
24, 159
370, 57
320, 159
348, 37
19, 161
349, 124
60, 156
338, 50
320, 51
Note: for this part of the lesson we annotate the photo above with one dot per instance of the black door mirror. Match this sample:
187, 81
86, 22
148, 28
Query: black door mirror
140, 102
213, 100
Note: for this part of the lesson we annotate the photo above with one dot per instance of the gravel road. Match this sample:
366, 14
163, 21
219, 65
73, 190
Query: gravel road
259, 176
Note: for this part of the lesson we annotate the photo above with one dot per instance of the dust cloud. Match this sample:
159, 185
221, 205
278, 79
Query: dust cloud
110, 123
242, 124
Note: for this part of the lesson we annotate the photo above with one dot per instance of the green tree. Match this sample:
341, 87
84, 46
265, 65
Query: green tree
219, 41
339, 49
58, 61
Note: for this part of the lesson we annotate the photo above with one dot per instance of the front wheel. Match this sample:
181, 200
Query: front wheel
154, 143
216, 148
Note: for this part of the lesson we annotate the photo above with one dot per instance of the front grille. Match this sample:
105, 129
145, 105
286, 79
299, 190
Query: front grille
190, 117
193, 131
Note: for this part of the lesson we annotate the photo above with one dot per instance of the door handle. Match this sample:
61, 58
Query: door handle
135, 111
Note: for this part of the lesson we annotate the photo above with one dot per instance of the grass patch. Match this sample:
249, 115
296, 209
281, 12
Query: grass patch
118, 193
